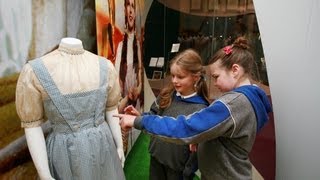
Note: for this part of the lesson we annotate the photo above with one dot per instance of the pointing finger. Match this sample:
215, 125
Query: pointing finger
118, 115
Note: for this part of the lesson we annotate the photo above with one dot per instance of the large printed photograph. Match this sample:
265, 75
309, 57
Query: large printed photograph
120, 39
120, 32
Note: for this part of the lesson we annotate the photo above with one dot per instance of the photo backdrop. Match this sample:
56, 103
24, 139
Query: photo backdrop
111, 28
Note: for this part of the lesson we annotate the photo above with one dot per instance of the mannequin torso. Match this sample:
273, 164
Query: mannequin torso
69, 87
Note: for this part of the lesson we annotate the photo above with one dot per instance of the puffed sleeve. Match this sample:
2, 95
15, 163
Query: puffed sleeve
29, 104
114, 91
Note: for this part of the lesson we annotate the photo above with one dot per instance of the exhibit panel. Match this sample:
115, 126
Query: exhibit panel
290, 36
120, 38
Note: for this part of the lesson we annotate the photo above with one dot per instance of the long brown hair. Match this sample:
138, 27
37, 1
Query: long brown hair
189, 60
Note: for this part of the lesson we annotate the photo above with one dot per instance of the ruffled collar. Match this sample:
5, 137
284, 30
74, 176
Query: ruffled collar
69, 49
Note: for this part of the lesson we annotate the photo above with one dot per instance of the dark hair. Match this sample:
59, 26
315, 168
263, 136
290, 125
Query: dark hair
190, 61
123, 63
236, 53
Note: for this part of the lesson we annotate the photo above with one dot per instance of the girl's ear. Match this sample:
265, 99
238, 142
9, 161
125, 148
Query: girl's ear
196, 77
235, 69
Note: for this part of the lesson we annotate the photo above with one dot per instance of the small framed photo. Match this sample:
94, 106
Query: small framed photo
157, 75
153, 62
160, 62
175, 47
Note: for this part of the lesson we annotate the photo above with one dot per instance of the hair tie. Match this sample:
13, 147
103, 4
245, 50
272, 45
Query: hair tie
228, 49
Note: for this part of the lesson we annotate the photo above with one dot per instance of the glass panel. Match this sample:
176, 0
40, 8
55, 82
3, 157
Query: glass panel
206, 27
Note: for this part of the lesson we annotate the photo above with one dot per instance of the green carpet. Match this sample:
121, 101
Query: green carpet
136, 166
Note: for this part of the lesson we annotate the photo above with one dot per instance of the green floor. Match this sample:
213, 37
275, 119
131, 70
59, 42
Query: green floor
137, 163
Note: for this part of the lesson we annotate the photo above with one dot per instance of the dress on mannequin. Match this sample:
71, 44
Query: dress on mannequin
78, 93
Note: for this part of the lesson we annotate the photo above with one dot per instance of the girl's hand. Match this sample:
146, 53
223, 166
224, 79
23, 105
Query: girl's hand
193, 147
126, 121
131, 110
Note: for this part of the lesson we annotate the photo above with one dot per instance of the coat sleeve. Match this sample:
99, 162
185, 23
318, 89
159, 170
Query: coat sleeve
206, 124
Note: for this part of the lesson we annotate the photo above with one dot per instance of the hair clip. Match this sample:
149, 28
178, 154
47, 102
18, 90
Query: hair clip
227, 50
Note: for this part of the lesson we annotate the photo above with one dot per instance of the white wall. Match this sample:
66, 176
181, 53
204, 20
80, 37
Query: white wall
291, 42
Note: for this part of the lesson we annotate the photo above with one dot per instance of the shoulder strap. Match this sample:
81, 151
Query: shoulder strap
103, 71
103, 85
54, 93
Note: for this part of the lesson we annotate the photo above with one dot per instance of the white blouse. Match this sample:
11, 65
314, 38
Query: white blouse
73, 70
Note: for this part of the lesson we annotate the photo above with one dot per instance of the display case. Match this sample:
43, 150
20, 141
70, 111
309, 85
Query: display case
204, 25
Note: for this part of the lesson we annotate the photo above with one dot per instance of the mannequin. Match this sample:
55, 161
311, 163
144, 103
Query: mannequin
38, 151
75, 73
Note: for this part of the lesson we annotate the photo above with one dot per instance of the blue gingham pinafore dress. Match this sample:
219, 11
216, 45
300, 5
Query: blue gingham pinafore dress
80, 146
